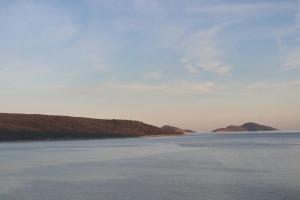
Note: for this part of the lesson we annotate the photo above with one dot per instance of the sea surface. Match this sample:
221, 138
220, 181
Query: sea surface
214, 166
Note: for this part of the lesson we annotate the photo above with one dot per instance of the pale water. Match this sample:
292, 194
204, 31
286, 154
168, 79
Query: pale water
251, 166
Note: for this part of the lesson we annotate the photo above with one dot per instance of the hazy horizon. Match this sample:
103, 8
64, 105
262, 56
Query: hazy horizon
193, 64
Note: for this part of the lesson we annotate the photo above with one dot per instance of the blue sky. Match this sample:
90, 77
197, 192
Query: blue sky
197, 64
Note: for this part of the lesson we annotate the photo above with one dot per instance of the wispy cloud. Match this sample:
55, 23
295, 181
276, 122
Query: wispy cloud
154, 75
271, 87
179, 87
292, 33
40, 24
191, 69
241, 8
21, 73
94, 50
201, 51
293, 60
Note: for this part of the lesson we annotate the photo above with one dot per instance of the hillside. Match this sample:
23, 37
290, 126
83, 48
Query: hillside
172, 128
42, 127
230, 128
249, 126
176, 129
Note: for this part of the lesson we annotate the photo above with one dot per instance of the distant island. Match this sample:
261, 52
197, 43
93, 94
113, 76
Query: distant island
48, 127
176, 129
249, 126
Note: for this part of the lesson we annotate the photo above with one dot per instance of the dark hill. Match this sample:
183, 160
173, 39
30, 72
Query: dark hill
250, 126
230, 128
176, 129
42, 127
172, 128
189, 131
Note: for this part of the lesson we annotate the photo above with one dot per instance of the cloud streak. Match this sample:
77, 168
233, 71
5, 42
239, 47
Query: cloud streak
179, 87
241, 9
292, 33
293, 60
154, 75
271, 87
201, 51
35, 24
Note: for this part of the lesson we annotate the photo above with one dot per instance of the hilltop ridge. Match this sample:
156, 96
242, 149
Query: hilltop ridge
43, 127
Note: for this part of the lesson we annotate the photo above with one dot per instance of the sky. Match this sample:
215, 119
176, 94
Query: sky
197, 64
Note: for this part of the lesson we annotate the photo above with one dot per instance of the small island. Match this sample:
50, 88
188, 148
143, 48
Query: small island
176, 129
249, 126
48, 127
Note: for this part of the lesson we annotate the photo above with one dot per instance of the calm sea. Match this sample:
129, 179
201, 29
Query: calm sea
251, 166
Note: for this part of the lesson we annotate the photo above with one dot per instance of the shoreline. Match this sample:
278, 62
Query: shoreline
146, 136
83, 139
